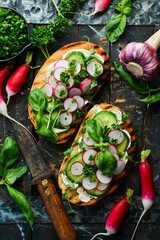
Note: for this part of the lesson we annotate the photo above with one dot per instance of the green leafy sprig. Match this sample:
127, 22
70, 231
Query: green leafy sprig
10, 174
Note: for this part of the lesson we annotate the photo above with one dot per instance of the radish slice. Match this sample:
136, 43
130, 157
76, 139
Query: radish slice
101, 186
65, 119
61, 91
112, 149
104, 179
74, 92
57, 72
62, 63
76, 168
116, 156
94, 68
78, 67
71, 82
120, 167
70, 104
86, 157
88, 140
49, 90
88, 184
52, 81
85, 85
80, 101
116, 135
95, 159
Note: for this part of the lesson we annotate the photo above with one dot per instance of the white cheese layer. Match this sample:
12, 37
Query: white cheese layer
50, 69
83, 195
118, 114
59, 130
66, 181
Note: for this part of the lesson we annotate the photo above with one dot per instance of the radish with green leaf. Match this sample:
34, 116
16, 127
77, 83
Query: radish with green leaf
147, 184
17, 79
117, 214
100, 6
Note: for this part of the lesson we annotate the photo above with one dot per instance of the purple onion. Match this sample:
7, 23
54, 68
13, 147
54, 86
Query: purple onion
141, 59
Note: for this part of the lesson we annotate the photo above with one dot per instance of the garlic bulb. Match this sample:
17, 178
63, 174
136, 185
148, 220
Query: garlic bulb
141, 59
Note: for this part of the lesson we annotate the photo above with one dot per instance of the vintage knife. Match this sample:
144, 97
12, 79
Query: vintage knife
42, 177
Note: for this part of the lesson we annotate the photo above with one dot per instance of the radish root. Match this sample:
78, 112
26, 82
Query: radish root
144, 211
104, 234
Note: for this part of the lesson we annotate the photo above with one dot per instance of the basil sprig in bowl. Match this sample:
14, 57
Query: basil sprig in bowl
14, 37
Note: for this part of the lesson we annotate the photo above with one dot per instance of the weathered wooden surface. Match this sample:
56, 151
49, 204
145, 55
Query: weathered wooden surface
146, 121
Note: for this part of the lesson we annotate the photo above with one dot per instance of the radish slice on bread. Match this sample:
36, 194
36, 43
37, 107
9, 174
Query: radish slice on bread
104, 179
57, 72
52, 81
66, 119
112, 149
62, 63
74, 92
70, 104
120, 167
88, 157
94, 68
76, 169
88, 140
85, 85
88, 184
49, 90
80, 101
61, 91
101, 186
117, 135
78, 67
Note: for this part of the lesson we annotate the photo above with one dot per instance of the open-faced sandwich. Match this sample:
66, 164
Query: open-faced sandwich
100, 156
63, 87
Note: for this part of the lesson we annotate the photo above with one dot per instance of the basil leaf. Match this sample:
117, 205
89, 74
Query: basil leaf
139, 86
94, 130
38, 100
126, 3
41, 127
68, 152
151, 99
9, 155
22, 203
127, 10
115, 27
13, 175
106, 162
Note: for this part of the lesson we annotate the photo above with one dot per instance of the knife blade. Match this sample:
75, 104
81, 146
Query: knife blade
42, 178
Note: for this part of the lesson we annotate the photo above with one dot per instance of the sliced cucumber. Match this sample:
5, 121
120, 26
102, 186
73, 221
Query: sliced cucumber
96, 192
122, 147
75, 158
75, 55
105, 118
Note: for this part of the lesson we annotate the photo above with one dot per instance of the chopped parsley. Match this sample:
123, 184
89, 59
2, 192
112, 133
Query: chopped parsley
62, 92
64, 78
97, 70
72, 67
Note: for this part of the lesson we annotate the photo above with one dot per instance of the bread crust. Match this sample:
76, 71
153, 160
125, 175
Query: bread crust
41, 77
73, 196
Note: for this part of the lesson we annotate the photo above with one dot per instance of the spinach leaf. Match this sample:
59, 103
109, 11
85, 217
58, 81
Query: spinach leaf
115, 27
13, 175
94, 130
139, 86
38, 100
106, 162
9, 155
22, 203
41, 123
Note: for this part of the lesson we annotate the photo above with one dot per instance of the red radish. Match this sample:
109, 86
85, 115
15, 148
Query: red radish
17, 79
76, 168
57, 72
117, 214
104, 179
100, 6
88, 184
85, 85
62, 63
74, 92
88, 140
49, 90
86, 157
66, 119
101, 186
120, 167
70, 104
60, 91
52, 81
94, 68
112, 149
116, 135
147, 184
80, 101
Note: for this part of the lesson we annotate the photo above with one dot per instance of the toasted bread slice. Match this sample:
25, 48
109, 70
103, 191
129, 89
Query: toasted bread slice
73, 196
41, 77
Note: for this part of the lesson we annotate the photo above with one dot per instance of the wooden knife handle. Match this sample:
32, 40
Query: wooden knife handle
56, 209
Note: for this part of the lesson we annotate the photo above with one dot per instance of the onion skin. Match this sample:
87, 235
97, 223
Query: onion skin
143, 55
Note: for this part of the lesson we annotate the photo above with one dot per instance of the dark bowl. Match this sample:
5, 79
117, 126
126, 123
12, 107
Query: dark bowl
28, 44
